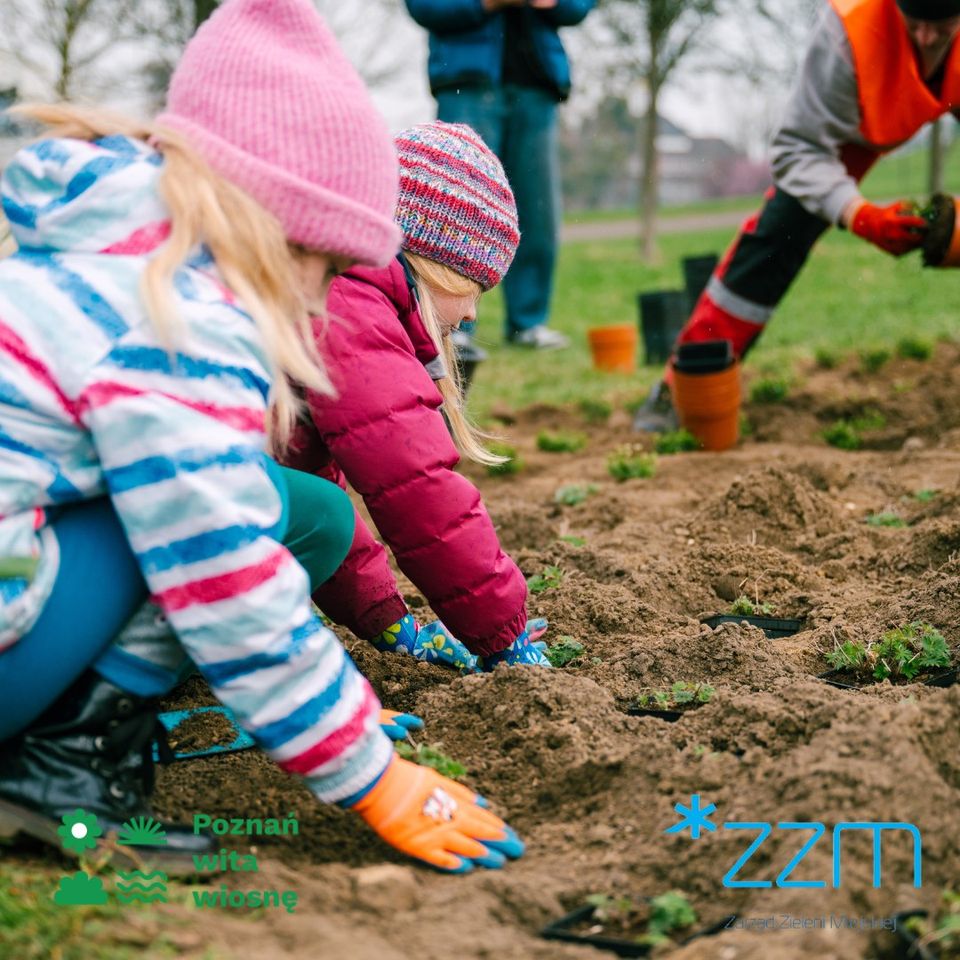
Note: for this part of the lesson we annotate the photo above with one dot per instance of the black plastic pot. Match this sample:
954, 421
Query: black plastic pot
671, 716
561, 930
662, 316
946, 678
696, 274
912, 948
773, 627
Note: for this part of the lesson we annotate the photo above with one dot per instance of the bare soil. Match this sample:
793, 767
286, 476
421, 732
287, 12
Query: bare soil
781, 519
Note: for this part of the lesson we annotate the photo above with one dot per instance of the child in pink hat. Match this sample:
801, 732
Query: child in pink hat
390, 357
150, 331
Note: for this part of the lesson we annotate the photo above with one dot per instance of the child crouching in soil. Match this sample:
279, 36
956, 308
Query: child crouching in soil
391, 361
150, 325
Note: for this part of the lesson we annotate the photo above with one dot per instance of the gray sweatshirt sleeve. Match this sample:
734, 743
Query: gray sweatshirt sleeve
823, 114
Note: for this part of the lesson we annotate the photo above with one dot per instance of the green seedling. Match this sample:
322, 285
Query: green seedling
825, 358
560, 442
513, 464
564, 651
770, 390
550, 579
868, 420
914, 348
842, 435
743, 606
630, 461
681, 693
607, 909
676, 441
595, 411
925, 496
670, 913
941, 934
575, 541
903, 652
873, 360
431, 756
886, 519
574, 494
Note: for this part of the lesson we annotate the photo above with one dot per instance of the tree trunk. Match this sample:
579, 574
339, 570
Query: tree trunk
650, 179
937, 146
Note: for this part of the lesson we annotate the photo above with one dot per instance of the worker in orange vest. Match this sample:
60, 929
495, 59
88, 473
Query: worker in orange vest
876, 71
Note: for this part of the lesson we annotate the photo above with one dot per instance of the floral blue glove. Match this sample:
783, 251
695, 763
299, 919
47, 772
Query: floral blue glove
522, 652
431, 643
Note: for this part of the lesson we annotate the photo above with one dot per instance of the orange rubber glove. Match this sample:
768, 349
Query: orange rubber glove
436, 820
894, 228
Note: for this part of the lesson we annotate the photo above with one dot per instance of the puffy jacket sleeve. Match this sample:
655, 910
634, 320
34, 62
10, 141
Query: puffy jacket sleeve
448, 16
181, 443
567, 13
386, 433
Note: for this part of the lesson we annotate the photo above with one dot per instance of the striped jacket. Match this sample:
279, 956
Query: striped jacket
92, 403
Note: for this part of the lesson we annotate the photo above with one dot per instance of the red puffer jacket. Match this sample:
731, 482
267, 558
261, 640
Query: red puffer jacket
385, 435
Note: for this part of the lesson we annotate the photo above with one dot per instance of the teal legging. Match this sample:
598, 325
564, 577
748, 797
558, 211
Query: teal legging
81, 619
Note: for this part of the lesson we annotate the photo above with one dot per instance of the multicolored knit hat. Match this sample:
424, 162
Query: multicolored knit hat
269, 100
455, 204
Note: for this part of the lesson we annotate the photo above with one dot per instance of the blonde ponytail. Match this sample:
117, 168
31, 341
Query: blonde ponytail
247, 244
428, 274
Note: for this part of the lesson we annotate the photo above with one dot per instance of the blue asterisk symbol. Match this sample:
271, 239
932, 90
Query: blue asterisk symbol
695, 817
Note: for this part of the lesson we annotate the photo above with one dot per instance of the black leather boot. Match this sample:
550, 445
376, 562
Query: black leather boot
92, 749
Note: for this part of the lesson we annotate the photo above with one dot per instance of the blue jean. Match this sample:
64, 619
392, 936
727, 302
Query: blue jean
99, 589
520, 125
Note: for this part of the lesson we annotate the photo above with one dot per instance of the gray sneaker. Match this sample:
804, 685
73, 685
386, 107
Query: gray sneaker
540, 338
657, 414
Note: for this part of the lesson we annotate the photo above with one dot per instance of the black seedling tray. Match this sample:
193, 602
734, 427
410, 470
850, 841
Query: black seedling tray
561, 930
911, 948
773, 627
946, 678
671, 716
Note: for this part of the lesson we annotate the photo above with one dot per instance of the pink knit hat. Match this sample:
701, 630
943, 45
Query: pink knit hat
456, 206
267, 97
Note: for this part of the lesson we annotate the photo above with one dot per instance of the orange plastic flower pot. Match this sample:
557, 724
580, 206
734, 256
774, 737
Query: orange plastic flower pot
708, 405
614, 349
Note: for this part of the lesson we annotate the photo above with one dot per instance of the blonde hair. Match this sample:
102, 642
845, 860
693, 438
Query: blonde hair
430, 275
247, 244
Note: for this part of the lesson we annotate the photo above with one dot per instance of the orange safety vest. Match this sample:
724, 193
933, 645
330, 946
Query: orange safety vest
894, 101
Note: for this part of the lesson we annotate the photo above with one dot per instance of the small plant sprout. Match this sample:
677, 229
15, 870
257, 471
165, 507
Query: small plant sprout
874, 359
870, 419
743, 606
595, 411
914, 348
560, 442
431, 756
676, 441
825, 358
607, 908
670, 913
630, 461
681, 693
574, 541
886, 518
550, 579
903, 652
574, 494
841, 434
513, 463
770, 390
564, 651
925, 496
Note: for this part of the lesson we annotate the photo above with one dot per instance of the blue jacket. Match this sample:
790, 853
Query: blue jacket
466, 42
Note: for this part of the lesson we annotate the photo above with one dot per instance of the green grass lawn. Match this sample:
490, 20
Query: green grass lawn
850, 296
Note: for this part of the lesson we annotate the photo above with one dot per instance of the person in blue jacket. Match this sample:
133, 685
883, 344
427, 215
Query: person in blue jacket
499, 66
